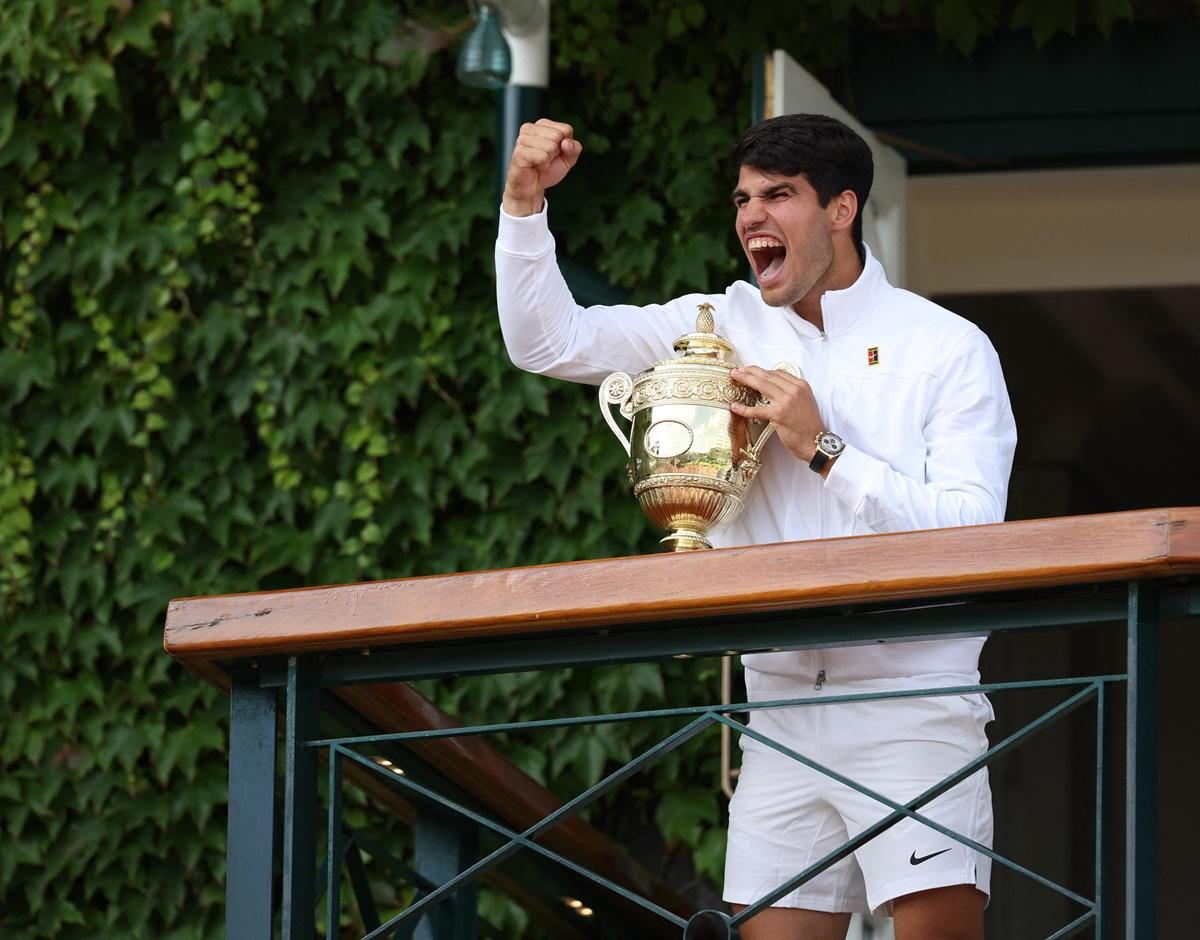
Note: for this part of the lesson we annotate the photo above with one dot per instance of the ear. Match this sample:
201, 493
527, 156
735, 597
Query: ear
842, 210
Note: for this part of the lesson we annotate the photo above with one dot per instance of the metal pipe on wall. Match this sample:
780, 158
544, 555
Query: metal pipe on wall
526, 27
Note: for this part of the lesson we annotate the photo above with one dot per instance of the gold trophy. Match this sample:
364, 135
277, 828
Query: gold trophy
691, 459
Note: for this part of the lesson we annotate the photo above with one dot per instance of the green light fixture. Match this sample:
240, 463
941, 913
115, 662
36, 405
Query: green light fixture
484, 61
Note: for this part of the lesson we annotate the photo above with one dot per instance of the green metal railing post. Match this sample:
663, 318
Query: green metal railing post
335, 847
300, 801
251, 846
1103, 918
1141, 763
443, 848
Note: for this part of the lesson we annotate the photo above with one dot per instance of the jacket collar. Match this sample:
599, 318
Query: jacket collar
842, 310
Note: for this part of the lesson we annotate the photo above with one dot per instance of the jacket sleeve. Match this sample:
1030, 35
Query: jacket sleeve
970, 437
547, 332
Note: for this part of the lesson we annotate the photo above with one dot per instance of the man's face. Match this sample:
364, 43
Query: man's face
784, 232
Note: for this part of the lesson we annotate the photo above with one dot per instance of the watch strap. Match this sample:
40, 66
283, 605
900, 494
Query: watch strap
821, 457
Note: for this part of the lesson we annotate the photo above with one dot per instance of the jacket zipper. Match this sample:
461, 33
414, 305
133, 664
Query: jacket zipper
820, 654
828, 403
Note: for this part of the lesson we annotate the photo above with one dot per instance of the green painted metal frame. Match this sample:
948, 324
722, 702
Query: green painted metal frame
712, 636
348, 852
445, 846
1140, 604
300, 800
250, 871
1141, 762
704, 717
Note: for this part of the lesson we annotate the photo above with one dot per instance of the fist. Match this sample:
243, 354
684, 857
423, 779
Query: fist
543, 155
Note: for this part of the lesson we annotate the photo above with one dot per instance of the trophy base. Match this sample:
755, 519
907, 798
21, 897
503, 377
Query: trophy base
687, 505
685, 540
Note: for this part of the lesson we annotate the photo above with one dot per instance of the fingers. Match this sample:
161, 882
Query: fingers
562, 134
786, 396
763, 412
532, 154
571, 151
550, 138
552, 127
775, 384
545, 152
539, 154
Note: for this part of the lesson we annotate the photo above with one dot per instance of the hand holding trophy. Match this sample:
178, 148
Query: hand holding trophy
691, 459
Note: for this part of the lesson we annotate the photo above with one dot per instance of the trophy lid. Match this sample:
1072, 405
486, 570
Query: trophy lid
704, 344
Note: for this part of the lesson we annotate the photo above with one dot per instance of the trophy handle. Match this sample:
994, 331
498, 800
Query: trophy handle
615, 390
769, 431
790, 368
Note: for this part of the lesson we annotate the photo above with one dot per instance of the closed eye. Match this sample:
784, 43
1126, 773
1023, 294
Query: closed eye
773, 194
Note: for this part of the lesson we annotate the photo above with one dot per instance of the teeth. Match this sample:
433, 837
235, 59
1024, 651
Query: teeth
758, 242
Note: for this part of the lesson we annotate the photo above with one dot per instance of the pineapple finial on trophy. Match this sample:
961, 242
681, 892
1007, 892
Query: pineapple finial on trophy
704, 320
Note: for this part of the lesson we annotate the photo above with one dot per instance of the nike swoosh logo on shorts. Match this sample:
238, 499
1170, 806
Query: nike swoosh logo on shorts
913, 860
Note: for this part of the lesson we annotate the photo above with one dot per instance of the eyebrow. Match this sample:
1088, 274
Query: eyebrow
782, 186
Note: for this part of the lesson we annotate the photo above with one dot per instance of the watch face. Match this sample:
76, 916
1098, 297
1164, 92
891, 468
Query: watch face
830, 444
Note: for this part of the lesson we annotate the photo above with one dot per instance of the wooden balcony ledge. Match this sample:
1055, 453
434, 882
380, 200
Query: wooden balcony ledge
543, 600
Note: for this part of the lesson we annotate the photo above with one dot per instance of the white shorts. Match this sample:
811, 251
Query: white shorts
785, 816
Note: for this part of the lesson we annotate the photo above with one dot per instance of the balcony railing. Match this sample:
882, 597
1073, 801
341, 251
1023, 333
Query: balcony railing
279, 652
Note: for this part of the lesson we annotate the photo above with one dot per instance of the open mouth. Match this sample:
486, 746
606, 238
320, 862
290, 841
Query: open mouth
767, 253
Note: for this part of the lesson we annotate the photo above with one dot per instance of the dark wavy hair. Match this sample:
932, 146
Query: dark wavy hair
831, 156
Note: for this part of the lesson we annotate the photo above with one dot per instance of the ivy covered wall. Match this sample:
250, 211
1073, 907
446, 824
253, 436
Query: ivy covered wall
248, 340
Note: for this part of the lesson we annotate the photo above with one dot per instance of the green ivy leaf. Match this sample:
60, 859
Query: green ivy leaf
683, 814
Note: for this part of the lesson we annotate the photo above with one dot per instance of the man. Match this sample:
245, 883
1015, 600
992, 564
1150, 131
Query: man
901, 422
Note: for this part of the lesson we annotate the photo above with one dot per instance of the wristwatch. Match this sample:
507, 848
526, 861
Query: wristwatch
829, 445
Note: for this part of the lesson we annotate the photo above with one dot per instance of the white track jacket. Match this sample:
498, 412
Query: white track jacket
915, 391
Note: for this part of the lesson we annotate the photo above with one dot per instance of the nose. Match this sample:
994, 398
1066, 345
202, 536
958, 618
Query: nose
751, 213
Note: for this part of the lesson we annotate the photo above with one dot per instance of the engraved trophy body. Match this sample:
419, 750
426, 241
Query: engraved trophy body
691, 459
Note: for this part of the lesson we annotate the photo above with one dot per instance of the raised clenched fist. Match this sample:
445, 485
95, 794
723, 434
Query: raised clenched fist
543, 155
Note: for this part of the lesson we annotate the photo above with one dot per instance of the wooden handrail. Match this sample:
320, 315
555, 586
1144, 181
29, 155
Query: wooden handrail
794, 575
